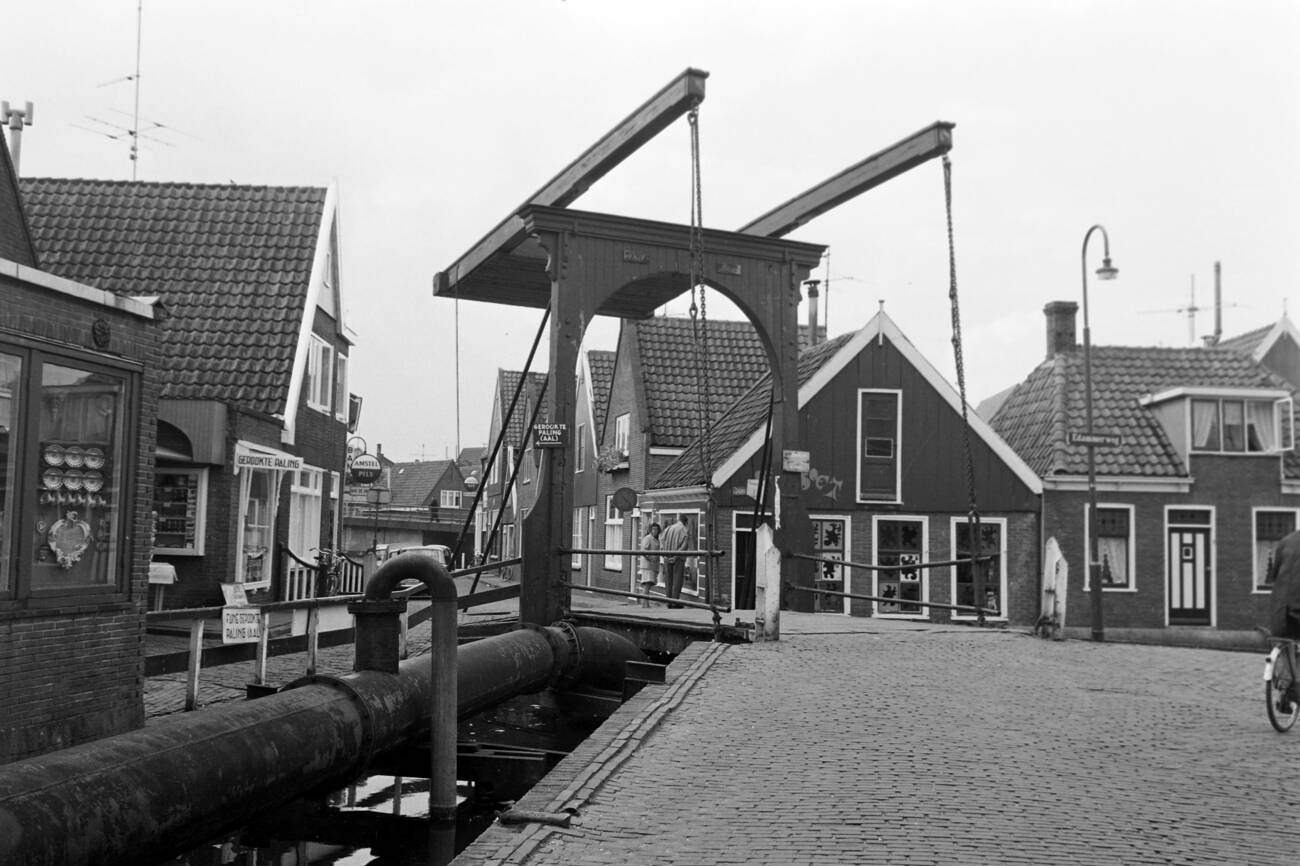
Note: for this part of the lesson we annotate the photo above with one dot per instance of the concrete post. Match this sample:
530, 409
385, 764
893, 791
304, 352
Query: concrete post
767, 586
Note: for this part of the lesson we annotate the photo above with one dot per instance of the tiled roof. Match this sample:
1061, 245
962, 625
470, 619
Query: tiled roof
413, 483
674, 388
231, 264
1037, 416
507, 381
1247, 342
739, 421
601, 364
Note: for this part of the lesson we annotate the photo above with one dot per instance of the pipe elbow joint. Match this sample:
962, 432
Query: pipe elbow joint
411, 566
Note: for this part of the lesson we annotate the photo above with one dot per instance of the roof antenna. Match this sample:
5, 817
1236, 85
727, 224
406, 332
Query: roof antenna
135, 118
17, 118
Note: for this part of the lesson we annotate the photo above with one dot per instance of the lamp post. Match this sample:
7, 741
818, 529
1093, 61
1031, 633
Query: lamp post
1107, 271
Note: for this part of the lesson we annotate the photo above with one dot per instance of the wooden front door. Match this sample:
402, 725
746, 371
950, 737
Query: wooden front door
1190, 569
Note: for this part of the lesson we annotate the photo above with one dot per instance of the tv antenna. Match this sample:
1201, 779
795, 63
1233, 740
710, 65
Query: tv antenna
1191, 309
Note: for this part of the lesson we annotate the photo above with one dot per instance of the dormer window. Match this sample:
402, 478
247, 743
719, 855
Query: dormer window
1235, 426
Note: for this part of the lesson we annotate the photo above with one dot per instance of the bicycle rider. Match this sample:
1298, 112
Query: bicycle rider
1284, 575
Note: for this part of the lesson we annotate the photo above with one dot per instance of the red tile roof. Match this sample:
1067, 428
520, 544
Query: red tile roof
1036, 417
230, 263
674, 378
739, 421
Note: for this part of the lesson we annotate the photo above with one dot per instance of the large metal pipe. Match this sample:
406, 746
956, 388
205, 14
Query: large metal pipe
159, 791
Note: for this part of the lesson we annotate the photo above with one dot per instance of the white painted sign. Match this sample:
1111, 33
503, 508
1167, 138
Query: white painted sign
254, 458
241, 624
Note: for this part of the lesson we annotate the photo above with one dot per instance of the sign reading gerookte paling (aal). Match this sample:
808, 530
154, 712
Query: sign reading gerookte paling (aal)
549, 435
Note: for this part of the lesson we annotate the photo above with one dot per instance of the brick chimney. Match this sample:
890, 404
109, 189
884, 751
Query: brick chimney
1060, 326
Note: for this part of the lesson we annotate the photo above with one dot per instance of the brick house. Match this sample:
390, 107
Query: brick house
509, 502
78, 405
595, 375
1190, 504
254, 408
428, 503
886, 485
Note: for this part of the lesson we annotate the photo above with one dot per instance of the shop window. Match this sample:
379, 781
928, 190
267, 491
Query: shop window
1271, 526
695, 576
180, 508
993, 535
62, 475
900, 542
830, 540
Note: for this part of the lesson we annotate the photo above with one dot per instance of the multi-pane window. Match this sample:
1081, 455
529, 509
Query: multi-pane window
449, 498
320, 374
992, 535
1271, 526
613, 535
305, 489
878, 434
830, 537
622, 426
1114, 560
695, 574
900, 543
575, 560
1240, 426
341, 404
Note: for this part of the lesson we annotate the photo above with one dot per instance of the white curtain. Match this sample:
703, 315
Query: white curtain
1259, 427
1114, 553
1205, 427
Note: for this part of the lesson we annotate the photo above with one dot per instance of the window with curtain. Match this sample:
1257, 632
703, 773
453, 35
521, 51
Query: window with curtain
1114, 546
1205, 425
1239, 426
613, 536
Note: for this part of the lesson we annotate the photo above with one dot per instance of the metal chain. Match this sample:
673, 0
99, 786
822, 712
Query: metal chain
700, 314
973, 516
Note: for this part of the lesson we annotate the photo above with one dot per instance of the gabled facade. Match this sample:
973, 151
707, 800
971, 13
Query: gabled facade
1276, 346
427, 504
885, 485
1192, 500
254, 407
502, 499
79, 380
595, 376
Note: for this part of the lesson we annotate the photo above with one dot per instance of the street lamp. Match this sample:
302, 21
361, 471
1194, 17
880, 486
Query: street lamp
1107, 271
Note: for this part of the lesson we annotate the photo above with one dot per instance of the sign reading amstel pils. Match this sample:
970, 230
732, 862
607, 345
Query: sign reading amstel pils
366, 469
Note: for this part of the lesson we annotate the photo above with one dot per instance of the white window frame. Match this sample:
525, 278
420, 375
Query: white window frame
1283, 431
614, 533
449, 499
1132, 546
1257, 578
300, 493
622, 430
1003, 589
340, 392
336, 488
846, 573
320, 375
200, 511
897, 456
575, 560
697, 565
924, 521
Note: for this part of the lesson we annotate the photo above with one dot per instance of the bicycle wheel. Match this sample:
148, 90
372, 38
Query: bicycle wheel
1283, 710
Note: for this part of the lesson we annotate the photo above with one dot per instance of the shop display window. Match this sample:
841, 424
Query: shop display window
179, 503
63, 465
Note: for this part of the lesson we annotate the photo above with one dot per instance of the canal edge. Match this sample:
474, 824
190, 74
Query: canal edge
567, 788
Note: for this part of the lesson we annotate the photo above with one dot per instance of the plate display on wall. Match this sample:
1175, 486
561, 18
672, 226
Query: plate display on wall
53, 455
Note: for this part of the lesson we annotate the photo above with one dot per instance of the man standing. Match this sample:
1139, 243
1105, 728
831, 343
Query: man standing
649, 562
675, 538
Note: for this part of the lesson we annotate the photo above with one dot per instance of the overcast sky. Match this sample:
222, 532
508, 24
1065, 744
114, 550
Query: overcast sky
1174, 123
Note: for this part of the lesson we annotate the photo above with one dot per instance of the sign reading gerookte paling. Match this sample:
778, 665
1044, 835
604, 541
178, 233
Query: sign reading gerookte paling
549, 435
250, 458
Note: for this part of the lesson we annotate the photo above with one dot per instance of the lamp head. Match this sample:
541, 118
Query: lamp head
1107, 271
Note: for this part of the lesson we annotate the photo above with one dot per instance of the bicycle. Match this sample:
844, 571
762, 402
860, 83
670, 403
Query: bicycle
1281, 696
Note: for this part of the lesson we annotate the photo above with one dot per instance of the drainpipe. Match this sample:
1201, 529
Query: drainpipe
159, 791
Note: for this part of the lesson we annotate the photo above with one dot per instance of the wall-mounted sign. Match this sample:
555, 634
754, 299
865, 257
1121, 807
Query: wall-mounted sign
356, 447
549, 435
365, 469
254, 457
1095, 439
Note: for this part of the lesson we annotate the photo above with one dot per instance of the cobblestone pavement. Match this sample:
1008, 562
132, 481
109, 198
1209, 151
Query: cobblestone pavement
926, 745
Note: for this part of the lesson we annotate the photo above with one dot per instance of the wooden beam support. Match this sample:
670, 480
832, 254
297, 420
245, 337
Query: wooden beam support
934, 140
643, 124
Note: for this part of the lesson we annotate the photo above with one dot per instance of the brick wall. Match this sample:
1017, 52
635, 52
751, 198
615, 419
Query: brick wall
73, 671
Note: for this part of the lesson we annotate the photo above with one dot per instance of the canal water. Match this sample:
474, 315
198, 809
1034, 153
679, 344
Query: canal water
382, 820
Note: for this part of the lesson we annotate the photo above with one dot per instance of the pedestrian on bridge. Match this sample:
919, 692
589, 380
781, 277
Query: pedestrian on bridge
649, 562
675, 538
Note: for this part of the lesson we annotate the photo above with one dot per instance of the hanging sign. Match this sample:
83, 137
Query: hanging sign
549, 435
356, 447
257, 458
241, 624
366, 469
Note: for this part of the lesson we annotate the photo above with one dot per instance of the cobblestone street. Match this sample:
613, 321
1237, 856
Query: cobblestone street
927, 745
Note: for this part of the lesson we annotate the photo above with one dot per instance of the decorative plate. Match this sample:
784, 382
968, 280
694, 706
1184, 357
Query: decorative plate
94, 458
53, 455
73, 455
92, 481
52, 479
69, 537
72, 479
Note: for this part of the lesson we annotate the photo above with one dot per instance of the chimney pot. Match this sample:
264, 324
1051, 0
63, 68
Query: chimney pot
1061, 317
